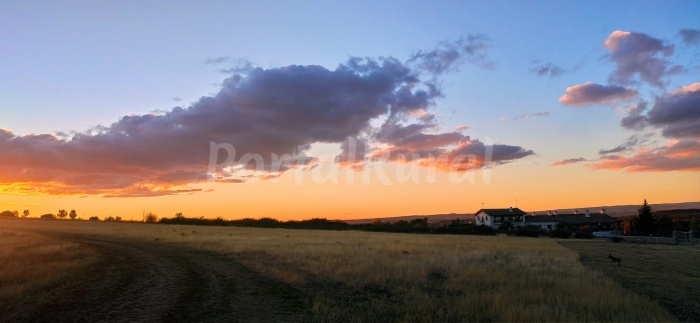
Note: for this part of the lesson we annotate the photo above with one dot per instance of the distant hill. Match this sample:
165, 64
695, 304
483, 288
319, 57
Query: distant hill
615, 210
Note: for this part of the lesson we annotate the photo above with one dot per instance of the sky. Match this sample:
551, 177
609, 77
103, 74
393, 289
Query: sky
346, 110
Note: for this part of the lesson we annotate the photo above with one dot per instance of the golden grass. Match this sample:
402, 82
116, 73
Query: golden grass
363, 276
32, 266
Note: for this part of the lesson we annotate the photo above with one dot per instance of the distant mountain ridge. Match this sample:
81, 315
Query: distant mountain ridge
615, 211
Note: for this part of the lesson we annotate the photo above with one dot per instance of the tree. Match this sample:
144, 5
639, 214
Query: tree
73, 214
48, 216
694, 224
645, 221
62, 214
179, 215
15, 213
94, 218
25, 213
150, 218
7, 214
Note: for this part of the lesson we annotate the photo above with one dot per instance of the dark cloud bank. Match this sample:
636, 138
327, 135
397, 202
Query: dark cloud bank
264, 113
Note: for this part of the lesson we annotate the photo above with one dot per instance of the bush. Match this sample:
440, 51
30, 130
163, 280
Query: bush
151, 218
616, 239
483, 230
8, 214
583, 235
94, 218
560, 233
48, 216
527, 232
505, 227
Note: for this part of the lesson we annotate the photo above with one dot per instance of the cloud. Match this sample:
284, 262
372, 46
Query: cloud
448, 55
448, 151
145, 191
531, 116
216, 60
678, 113
546, 69
631, 142
353, 153
690, 36
467, 155
271, 117
635, 118
568, 161
638, 54
677, 156
591, 93
462, 128
503, 118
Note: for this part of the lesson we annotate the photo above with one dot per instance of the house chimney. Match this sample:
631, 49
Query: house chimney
533, 214
588, 215
576, 212
555, 212
549, 212
511, 209
602, 211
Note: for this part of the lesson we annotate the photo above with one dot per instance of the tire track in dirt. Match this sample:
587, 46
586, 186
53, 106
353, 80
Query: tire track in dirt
159, 282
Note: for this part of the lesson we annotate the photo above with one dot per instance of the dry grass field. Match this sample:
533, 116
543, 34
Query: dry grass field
668, 274
34, 268
369, 277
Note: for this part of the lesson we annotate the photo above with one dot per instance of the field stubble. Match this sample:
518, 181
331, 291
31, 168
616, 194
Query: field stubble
362, 276
34, 269
668, 274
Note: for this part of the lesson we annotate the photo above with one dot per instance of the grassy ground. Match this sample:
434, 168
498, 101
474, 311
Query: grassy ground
364, 276
34, 268
667, 274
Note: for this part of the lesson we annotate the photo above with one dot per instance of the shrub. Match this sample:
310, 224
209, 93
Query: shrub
505, 227
583, 235
94, 218
527, 232
8, 214
560, 233
483, 230
48, 216
616, 239
151, 218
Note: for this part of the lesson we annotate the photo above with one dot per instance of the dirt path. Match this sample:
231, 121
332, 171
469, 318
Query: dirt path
157, 282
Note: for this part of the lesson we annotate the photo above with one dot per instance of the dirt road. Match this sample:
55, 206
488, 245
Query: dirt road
156, 282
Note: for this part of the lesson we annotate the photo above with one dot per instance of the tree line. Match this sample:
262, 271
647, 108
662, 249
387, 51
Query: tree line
646, 223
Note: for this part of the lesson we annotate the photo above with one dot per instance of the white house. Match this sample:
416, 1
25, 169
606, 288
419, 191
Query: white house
495, 217
596, 222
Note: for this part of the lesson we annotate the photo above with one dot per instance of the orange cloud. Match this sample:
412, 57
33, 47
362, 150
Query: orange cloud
678, 156
591, 93
568, 161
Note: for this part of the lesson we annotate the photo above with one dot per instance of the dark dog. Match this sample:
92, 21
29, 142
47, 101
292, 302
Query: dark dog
615, 259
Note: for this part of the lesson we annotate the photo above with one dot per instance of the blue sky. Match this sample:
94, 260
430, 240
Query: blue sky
72, 65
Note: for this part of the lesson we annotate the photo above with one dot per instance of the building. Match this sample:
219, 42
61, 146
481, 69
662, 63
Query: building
495, 217
574, 221
577, 221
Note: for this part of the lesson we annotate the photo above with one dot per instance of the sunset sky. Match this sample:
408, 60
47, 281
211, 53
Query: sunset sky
346, 110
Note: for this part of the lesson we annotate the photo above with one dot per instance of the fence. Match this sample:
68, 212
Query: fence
689, 237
